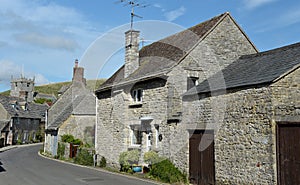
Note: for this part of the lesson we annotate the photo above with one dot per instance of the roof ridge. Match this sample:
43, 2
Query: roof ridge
195, 26
172, 48
271, 51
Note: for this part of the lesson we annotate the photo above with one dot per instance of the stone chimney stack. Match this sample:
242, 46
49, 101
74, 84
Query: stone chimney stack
78, 74
131, 51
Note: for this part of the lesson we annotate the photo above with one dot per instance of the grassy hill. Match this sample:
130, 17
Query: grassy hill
54, 87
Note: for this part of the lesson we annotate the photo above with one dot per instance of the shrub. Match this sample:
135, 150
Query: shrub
19, 142
42, 100
127, 158
84, 157
67, 138
166, 172
103, 162
60, 150
152, 157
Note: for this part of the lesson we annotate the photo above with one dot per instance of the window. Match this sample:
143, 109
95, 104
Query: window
192, 82
137, 136
137, 95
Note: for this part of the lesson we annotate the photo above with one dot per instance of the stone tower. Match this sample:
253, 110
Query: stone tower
131, 51
22, 88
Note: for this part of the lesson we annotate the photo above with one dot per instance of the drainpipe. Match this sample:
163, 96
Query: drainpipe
96, 124
46, 127
96, 132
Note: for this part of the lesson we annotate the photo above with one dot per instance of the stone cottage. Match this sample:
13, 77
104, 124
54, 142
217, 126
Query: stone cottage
74, 113
248, 123
140, 106
21, 121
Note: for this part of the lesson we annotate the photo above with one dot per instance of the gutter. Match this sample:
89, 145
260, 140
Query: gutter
124, 83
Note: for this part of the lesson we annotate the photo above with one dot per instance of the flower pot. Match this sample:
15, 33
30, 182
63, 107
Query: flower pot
137, 169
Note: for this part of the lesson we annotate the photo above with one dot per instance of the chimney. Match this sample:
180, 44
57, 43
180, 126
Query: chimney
131, 51
78, 73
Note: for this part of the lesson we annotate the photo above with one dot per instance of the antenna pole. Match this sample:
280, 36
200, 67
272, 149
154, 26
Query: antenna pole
132, 3
132, 14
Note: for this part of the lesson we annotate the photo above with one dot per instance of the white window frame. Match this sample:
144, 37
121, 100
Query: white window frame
133, 136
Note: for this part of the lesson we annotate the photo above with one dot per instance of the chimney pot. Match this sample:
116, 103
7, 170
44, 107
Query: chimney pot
76, 63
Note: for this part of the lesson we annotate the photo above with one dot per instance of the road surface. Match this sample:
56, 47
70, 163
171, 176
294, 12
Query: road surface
23, 166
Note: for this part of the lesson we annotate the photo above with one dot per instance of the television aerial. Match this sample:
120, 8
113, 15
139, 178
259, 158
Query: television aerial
133, 4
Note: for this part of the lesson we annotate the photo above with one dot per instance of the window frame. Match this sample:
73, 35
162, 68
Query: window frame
192, 81
137, 95
136, 136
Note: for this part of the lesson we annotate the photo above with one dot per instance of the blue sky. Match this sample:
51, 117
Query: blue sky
42, 38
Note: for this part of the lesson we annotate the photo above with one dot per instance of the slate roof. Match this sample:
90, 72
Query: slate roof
159, 57
63, 89
261, 68
76, 100
34, 110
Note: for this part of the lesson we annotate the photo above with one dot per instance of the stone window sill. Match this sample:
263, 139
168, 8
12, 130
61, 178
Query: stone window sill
135, 104
134, 147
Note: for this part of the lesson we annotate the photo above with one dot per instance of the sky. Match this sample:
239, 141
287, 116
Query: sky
42, 38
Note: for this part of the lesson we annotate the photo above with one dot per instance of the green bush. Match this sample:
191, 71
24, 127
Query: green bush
103, 162
67, 138
128, 158
152, 157
42, 100
60, 150
84, 157
166, 172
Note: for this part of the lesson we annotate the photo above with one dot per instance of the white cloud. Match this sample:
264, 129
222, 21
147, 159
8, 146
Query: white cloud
291, 17
53, 42
250, 4
40, 79
172, 15
27, 19
285, 19
156, 5
10, 69
41, 35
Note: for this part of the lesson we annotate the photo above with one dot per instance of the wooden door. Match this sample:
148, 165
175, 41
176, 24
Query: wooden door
288, 153
202, 168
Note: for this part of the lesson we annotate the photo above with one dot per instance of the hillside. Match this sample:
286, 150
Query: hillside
53, 88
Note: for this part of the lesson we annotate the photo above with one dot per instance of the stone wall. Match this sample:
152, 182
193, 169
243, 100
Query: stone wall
244, 121
286, 98
81, 127
243, 134
162, 98
117, 114
221, 47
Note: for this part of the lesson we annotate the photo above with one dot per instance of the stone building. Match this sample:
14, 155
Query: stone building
140, 106
246, 119
73, 113
22, 88
20, 121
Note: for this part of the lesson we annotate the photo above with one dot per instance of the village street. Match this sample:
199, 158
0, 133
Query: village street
23, 166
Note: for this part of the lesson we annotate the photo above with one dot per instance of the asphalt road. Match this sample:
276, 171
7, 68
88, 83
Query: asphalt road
23, 166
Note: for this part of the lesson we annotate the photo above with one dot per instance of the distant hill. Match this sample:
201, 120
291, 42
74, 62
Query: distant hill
53, 88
